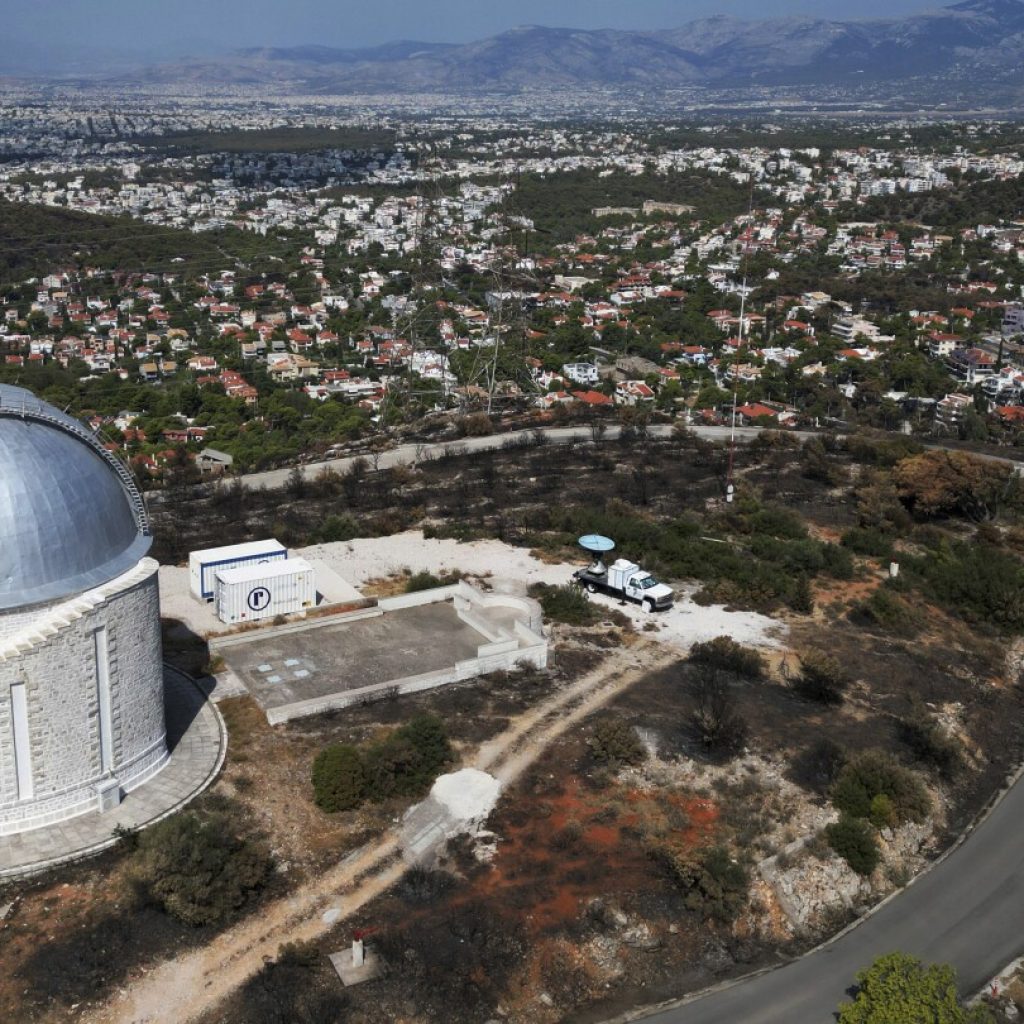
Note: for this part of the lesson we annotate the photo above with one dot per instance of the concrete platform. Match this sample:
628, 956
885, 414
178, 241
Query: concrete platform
350, 655
350, 973
198, 740
400, 645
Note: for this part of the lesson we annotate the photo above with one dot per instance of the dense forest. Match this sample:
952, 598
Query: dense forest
973, 201
271, 140
36, 239
560, 205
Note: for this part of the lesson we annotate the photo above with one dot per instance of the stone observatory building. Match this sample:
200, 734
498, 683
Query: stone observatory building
81, 675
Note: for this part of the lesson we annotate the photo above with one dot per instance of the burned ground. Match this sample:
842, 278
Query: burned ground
579, 903
74, 935
577, 906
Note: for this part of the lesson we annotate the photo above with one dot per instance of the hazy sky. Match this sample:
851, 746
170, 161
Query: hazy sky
180, 25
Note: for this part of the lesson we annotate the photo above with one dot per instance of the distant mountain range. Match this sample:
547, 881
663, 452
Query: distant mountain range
975, 41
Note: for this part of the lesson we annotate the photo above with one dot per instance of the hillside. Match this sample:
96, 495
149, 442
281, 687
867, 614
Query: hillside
34, 239
974, 42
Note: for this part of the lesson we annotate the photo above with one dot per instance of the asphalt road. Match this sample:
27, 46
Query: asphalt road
407, 454
967, 911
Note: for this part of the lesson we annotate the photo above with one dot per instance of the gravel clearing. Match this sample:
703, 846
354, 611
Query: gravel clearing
511, 570
505, 569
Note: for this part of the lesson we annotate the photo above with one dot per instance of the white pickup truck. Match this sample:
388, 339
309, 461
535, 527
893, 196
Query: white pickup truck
628, 580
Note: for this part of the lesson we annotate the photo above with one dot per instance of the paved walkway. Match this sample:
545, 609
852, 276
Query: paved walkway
196, 734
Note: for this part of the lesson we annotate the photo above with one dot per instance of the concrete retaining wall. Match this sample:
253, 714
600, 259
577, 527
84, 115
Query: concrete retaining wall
511, 655
504, 650
248, 636
421, 597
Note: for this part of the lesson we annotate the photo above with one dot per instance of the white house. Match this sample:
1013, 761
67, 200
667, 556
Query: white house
581, 373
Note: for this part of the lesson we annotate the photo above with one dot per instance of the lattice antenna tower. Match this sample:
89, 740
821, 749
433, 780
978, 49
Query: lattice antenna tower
425, 273
508, 284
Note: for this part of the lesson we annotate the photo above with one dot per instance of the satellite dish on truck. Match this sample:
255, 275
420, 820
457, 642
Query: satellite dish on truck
597, 546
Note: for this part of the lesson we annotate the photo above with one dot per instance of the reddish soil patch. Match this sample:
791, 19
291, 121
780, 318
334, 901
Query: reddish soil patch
560, 851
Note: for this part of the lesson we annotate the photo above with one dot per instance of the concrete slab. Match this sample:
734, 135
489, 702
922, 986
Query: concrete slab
353, 655
352, 974
332, 588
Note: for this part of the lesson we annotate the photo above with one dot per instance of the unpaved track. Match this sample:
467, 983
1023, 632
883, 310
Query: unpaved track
193, 983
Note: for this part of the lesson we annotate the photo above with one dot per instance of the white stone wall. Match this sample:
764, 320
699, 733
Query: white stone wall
14, 622
59, 670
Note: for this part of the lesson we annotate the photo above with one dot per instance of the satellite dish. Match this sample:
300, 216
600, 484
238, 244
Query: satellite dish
596, 544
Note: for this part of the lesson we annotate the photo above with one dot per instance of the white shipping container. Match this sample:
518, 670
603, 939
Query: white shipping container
251, 593
203, 565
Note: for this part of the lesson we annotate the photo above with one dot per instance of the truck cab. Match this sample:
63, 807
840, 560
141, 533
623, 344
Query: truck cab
626, 579
638, 585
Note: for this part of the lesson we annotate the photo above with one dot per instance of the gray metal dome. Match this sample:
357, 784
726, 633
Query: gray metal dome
71, 517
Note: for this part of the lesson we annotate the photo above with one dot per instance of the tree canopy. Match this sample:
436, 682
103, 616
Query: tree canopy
943, 483
898, 989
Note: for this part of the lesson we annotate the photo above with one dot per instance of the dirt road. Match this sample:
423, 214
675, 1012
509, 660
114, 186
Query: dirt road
191, 984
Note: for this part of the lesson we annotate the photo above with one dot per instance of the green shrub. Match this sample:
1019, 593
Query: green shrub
931, 744
981, 582
337, 528
883, 813
566, 604
776, 521
403, 763
796, 556
872, 773
868, 541
821, 677
838, 561
199, 870
801, 596
614, 741
854, 840
815, 464
406, 762
392, 769
423, 581
725, 653
339, 778
714, 884
885, 610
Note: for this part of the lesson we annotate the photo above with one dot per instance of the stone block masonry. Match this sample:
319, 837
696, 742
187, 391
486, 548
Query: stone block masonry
75, 705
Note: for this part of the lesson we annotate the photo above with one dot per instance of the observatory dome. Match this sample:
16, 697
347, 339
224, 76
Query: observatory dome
81, 676
71, 517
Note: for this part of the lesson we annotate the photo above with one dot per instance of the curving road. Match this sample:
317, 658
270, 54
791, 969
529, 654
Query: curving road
407, 454
968, 910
